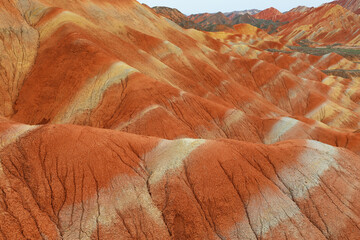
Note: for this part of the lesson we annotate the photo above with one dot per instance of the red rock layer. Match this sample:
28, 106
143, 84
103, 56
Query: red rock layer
268, 14
352, 5
327, 24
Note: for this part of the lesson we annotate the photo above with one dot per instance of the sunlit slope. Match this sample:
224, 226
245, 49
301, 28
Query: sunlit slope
327, 24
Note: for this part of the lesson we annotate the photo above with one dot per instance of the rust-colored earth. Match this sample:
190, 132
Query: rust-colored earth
116, 123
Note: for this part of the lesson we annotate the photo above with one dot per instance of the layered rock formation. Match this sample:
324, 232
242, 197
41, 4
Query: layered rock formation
276, 16
225, 22
211, 22
234, 14
328, 24
268, 14
116, 123
176, 16
352, 5
218, 22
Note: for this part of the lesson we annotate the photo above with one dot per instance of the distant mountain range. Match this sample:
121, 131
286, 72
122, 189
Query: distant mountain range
218, 21
234, 14
269, 19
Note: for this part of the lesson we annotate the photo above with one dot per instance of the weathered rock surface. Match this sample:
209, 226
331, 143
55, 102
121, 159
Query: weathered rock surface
327, 24
352, 5
119, 124
63, 181
176, 16
268, 14
276, 16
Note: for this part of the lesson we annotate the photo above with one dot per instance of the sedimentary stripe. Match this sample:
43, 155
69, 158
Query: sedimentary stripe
90, 96
138, 116
233, 116
12, 135
125, 193
51, 26
305, 174
282, 126
169, 156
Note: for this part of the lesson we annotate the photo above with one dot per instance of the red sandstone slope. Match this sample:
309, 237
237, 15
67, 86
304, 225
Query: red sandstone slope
275, 15
293, 14
328, 24
118, 124
268, 14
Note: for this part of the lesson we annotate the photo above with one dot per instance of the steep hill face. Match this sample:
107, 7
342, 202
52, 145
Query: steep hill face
234, 14
216, 18
301, 9
268, 14
267, 25
329, 23
293, 14
176, 16
119, 124
276, 16
224, 22
352, 5
211, 22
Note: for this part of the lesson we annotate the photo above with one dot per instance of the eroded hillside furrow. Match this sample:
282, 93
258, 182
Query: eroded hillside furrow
88, 197
18, 47
116, 123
